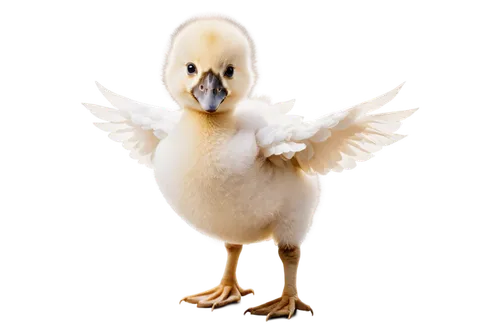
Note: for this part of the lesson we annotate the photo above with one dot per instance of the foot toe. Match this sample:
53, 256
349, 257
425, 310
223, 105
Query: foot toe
304, 307
216, 297
194, 299
291, 308
262, 307
245, 292
280, 307
229, 300
276, 314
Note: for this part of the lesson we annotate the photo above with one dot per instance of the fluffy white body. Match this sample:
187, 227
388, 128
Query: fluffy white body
238, 169
219, 182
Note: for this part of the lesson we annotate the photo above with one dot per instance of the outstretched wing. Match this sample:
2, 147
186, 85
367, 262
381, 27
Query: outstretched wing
334, 142
139, 127
258, 112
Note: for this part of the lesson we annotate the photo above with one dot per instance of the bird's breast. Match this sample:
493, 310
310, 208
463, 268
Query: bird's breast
208, 179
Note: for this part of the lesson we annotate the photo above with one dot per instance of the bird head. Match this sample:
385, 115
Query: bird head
210, 65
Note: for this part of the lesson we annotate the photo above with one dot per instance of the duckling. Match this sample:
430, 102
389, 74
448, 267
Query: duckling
239, 169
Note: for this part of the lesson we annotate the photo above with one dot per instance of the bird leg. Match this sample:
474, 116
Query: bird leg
228, 291
289, 302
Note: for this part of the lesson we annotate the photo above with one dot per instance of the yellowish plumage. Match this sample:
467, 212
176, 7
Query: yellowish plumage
248, 171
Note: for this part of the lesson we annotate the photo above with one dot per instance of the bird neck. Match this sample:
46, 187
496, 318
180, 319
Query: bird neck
215, 121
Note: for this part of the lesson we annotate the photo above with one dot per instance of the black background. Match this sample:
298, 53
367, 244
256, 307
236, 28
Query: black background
374, 261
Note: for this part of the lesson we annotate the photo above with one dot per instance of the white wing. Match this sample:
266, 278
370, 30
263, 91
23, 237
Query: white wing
334, 142
256, 113
138, 126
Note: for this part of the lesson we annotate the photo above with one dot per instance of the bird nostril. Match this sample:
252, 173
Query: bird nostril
214, 91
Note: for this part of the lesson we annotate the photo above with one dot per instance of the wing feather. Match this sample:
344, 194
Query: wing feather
337, 141
138, 126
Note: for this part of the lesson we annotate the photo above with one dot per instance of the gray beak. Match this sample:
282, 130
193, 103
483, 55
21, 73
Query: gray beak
209, 92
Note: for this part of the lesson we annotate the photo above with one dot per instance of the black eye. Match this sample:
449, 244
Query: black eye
191, 68
229, 71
